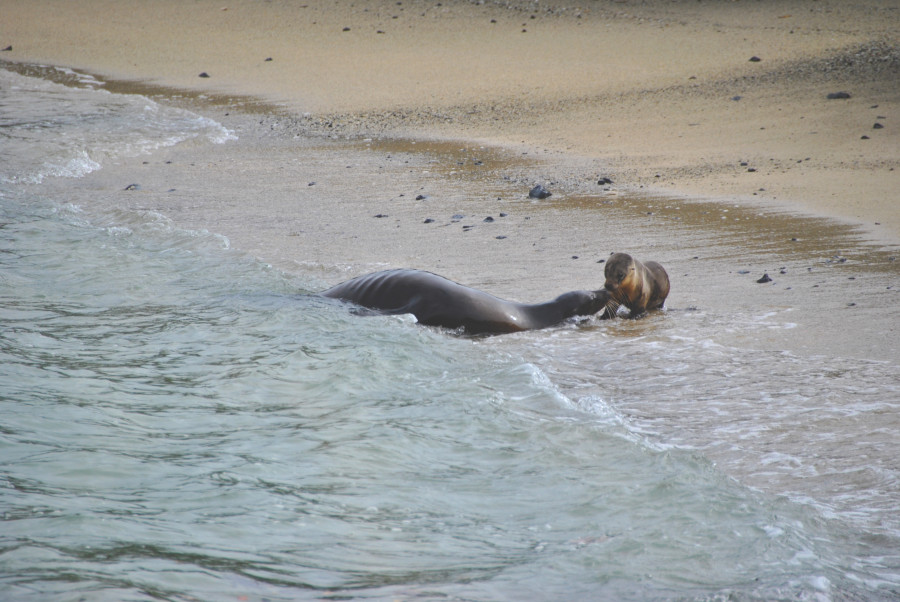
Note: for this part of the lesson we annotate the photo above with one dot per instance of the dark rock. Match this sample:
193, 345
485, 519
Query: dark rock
269, 59
421, 197
539, 192
311, 184
864, 137
765, 278
501, 237
503, 214
755, 59
837, 95
346, 29
457, 217
133, 187
204, 74
751, 169
381, 215
428, 221
604, 181
488, 219
738, 97
7, 49
877, 126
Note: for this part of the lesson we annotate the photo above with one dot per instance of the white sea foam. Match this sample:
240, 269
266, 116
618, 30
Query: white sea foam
56, 130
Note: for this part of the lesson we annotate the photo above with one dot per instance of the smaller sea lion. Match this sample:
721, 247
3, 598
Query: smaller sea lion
638, 286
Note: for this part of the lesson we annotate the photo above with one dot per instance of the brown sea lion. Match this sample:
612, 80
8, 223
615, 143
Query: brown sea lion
638, 286
437, 301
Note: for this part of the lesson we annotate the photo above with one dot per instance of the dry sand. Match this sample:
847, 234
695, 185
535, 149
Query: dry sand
659, 94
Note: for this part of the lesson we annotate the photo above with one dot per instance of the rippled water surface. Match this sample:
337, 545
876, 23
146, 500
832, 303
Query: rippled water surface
181, 421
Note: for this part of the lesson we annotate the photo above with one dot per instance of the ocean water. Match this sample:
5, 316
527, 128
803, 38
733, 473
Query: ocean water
182, 421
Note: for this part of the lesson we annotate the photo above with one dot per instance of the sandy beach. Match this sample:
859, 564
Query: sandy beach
707, 98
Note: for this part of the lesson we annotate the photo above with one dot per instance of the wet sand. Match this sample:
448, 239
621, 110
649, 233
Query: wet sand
350, 140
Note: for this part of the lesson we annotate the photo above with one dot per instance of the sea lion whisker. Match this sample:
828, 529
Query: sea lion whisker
611, 308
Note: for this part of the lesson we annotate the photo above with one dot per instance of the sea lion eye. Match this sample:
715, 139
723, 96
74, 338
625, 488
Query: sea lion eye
621, 276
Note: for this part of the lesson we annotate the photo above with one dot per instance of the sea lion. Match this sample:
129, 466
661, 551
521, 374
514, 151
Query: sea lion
437, 301
638, 286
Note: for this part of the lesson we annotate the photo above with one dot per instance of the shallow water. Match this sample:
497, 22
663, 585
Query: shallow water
183, 421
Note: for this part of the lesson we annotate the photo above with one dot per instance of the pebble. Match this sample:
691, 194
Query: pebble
204, 74
837, 95
539, 192
381, 215
489, 219
877, 126
765, 278
755, 59
421, 197
133, 187
428, 220
604, 181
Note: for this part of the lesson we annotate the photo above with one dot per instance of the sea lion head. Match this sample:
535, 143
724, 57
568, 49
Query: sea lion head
622, 282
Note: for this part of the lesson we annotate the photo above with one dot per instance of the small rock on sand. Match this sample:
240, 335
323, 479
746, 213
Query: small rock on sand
539, 192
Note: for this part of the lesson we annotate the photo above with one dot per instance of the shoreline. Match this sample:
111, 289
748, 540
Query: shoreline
658, 95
